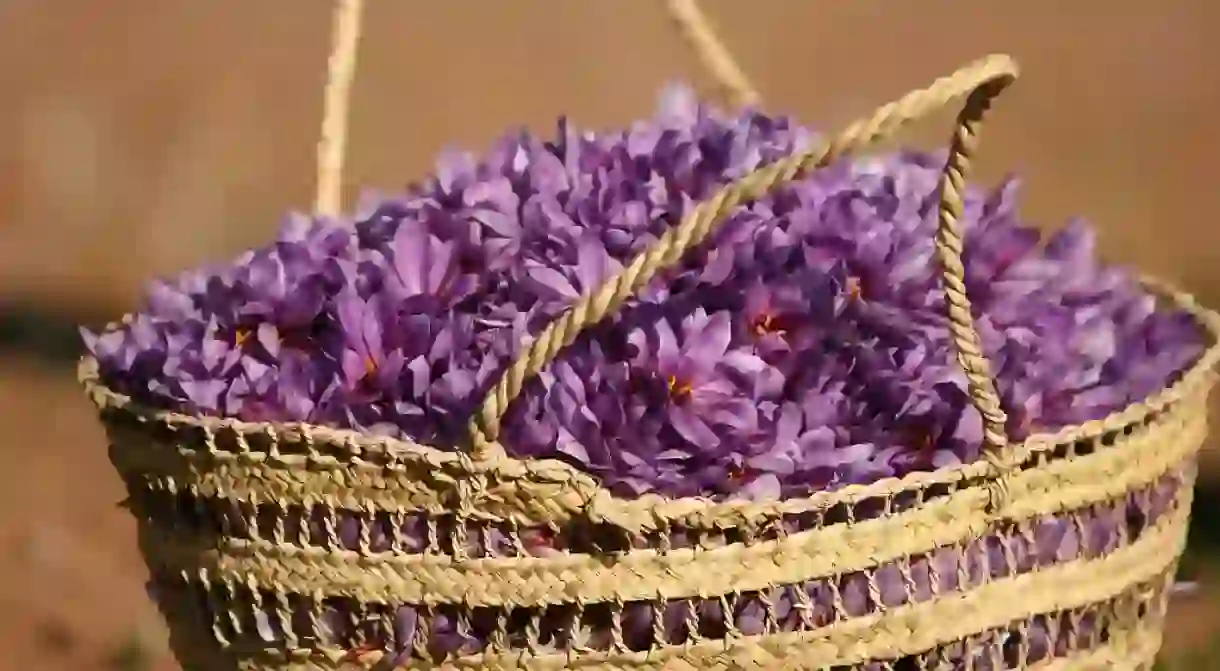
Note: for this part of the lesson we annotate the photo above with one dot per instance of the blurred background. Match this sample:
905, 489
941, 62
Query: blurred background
138, 138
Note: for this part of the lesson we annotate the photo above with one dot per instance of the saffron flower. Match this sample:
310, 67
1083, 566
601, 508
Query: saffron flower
803, 347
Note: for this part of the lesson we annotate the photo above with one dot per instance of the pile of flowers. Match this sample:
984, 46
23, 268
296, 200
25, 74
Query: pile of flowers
802, 348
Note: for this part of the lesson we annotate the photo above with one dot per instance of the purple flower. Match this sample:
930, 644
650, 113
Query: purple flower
695, 376
422, 269
804, 347
368, 367
557, 284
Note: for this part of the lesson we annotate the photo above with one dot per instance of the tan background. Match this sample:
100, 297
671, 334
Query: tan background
138, 137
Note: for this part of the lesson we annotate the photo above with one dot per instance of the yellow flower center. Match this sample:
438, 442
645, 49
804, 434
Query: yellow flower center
853, 289
766, 324
679, 390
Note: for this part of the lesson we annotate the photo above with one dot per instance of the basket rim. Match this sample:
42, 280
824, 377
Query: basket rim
353, 444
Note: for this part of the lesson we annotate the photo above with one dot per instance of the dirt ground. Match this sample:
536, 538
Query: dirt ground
72, 595
139, 138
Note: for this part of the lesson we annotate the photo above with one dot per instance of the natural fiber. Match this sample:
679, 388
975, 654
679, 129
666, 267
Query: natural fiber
340, 71
240, 522
712, 54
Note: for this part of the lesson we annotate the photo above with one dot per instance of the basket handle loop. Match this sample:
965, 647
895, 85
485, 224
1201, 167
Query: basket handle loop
979, 82
693, 25
347, 17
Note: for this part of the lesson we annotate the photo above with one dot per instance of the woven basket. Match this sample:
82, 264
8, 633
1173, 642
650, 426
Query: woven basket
298, 547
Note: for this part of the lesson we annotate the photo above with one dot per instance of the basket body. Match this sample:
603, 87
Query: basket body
302, 548
250, 558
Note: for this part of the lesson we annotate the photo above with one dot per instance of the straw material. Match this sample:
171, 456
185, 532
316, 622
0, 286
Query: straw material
286, 546
340, 72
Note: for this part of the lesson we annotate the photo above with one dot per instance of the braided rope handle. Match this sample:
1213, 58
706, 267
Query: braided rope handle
346, 19
340, 72
979, 83
711, 52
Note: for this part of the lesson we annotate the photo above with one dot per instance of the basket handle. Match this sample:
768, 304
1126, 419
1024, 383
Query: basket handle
979, 82
346, 19
694, 27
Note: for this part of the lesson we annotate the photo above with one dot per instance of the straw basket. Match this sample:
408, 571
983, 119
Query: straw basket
242, 524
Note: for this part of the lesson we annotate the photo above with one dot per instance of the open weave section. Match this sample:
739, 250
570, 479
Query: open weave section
1088, 601
901, 573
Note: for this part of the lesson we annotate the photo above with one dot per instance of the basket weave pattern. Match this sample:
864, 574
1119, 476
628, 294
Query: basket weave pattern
325, 547
296, 547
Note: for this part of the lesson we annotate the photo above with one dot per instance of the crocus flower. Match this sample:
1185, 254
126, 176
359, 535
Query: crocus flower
422, 270
369, 368
697, 393
803, 347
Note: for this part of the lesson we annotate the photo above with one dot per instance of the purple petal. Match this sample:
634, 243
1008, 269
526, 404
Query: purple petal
552, 283
692, 428
709, 343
